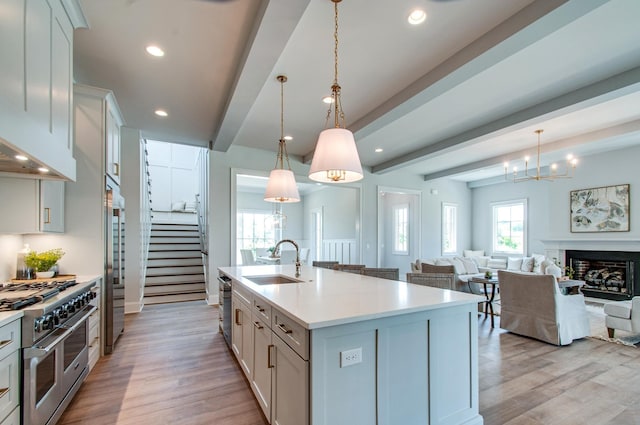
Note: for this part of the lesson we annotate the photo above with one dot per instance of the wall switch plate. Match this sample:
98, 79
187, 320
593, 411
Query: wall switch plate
350, 357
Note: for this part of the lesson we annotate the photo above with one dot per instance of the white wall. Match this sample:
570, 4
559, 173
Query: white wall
9, 247
173, 173
548, 202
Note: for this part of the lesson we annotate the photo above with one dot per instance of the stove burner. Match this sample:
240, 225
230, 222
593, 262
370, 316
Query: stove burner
15, 297
18, 303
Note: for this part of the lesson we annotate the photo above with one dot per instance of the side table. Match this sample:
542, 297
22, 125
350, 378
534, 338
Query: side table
489, 295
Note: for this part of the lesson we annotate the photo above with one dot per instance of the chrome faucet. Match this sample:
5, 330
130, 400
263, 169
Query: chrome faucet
275, 252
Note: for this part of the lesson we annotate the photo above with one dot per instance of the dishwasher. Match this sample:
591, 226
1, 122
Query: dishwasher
224, 306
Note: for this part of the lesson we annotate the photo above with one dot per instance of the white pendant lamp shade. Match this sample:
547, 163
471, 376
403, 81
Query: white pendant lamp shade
281, 187
336, 159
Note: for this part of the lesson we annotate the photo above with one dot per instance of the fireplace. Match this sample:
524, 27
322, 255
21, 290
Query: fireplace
612, 275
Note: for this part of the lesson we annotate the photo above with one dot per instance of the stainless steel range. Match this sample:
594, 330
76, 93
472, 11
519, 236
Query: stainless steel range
55, 338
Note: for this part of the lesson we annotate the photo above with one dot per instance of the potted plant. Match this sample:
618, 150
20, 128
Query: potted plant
42, 262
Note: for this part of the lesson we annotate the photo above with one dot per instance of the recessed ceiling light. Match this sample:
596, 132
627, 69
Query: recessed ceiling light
43, 170
417, 17
21, 158
154, 51
161, 113
327, 99
288, 137
378, 150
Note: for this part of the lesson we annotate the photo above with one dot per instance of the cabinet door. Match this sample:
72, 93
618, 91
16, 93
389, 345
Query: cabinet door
262, 365
113, 144
290, 386
20, 205
242, 335
52, 206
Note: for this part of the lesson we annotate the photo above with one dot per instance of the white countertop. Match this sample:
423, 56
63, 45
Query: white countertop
10, 316
328, 297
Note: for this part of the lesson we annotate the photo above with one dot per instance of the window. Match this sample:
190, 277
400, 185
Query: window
449, 228
509, 227
401, 229
255, 230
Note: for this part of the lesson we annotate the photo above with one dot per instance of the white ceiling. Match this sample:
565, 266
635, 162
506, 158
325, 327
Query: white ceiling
454, 97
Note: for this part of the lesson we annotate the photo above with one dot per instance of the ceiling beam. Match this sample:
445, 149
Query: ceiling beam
273, 29
610, 88
598, 136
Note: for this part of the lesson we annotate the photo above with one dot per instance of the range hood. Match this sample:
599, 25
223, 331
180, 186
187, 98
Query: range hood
28, 168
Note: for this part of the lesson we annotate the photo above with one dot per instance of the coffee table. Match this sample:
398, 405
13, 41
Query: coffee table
490, 296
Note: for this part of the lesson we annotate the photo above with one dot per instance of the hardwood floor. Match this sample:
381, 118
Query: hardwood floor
172, 367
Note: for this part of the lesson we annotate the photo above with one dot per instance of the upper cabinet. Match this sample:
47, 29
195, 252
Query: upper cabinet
36, 58
97, 127
114, 122
31, 206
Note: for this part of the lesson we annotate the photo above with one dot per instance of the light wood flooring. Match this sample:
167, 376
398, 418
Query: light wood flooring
172, 367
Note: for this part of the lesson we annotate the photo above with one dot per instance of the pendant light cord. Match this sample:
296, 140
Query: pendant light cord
335, 87
282, 146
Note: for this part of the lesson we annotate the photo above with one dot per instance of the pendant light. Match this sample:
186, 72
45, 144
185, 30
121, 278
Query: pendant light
554, 172
281, 186
335, 159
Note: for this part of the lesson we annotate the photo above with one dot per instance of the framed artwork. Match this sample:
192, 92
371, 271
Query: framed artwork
600, 209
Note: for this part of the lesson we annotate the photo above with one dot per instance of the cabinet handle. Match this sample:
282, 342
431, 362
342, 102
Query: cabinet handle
5, 342
47, 213
260, 309
3, 392
238, 317
283, 329
257, 325
116, 169
269, 347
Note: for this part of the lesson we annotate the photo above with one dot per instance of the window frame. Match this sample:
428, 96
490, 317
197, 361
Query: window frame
494, 226
443, 242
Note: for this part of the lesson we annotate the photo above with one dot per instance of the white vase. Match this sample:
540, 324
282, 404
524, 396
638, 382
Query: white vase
45, 275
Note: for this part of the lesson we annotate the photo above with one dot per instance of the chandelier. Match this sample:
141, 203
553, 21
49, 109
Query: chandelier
553, 173
335, 159
281, 186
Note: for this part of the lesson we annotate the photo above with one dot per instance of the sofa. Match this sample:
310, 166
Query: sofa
474, 263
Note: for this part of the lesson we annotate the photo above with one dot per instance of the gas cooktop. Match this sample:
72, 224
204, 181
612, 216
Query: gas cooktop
15, 296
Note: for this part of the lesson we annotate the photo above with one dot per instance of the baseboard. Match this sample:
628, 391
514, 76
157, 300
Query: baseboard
213, 299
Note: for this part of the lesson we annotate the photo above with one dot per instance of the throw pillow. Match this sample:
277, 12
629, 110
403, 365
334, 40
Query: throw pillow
497, 263
469, 266
537, 263
527, 264
459, 266
443, 262
469, 253
543, 266
514, 263
554, 270
481, 261
177, 206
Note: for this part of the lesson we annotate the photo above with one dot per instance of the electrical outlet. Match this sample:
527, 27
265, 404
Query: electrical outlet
350, 357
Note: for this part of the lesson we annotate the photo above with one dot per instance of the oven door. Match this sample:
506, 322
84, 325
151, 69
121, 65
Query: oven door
52, 367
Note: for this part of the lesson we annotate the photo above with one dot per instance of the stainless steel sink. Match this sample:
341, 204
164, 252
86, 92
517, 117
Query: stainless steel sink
274, 279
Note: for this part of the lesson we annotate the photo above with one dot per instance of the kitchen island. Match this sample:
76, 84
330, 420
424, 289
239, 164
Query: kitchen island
341, 348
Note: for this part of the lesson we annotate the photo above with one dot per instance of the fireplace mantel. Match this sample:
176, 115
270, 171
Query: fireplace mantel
605, 244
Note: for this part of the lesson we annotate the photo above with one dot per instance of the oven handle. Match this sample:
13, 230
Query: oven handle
45, 347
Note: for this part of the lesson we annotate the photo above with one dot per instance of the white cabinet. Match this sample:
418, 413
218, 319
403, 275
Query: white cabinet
98, 120
31, 206
9, 371
113, 124
276, 370
36, 58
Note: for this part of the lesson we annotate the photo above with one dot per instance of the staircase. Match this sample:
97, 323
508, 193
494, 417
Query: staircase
174, 268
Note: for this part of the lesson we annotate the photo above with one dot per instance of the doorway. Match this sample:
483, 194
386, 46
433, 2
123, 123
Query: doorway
399, 233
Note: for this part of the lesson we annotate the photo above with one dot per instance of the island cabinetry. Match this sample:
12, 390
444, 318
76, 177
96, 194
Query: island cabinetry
36, 52
278, 374
41, 205
10, 372
242, 328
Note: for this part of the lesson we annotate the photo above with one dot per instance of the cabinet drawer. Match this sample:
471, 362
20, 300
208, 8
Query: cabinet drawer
262, 310
9, 338
94, 332
9, 383
241, 293
13, 418
292, 333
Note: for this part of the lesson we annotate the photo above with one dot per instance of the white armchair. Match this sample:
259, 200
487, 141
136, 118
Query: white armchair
623, 315
532, 305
